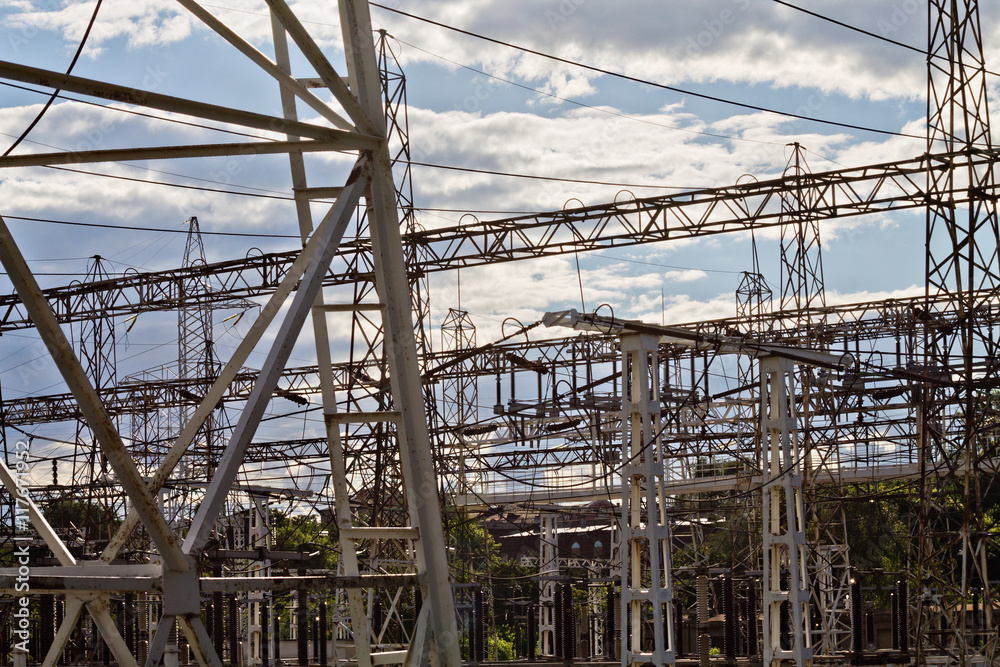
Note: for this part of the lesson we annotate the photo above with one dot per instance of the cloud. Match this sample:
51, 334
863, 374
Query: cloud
684, 276
141, 22
746, 41
751, 50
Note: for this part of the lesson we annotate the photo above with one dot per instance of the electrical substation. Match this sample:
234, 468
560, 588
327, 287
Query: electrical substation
806, 482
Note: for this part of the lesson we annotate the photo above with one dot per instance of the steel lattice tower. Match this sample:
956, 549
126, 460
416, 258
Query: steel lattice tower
460, 392
96, 340
960, 359
195, 353
801, 251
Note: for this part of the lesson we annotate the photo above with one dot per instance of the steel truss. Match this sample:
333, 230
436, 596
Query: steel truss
358, 115
694, 214
919, 403
963, 238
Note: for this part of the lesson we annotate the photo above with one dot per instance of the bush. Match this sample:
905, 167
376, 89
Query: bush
503, 649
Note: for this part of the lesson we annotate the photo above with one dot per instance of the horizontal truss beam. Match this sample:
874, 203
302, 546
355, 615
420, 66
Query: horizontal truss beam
693, 214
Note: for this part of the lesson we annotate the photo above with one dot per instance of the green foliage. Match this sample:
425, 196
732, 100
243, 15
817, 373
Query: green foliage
876, 529
501, 645
474, 551
288, 533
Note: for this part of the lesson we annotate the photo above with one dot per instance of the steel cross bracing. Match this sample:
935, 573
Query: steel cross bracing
891, 320
785, 576
647, 571
895, 318
962, 239
583, 400
361, 129
803, 292
581, 406
756, 205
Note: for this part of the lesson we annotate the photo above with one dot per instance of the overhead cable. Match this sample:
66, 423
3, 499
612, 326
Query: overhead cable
646, 82
52, 97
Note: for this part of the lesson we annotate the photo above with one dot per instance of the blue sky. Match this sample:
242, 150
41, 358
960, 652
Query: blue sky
486, 106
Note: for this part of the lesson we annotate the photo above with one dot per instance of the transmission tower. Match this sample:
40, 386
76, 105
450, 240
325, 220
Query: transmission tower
801, 251
460, 392
96, 340
960, 360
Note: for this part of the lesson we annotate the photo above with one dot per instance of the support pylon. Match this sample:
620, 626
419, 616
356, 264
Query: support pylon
647, 579
786, 582
962, 241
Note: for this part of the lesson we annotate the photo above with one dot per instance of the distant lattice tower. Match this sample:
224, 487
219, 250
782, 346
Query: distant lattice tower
801, 250
195, 353
459, 392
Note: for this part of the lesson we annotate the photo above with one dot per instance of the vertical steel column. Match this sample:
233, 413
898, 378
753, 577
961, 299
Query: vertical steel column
302, 617
645, 536
218, 634
962, 246
704, 639
234, 630
548, 570
390, 277
532, 639
609, 623
460, 399
265, 634
276, 633
478, 642
322, 635
857, 622
731, 619
904, 616
595, 620
47, 620
784, 520
128, 609
558, 650
751, 618
260, 540
281, 20
569, 622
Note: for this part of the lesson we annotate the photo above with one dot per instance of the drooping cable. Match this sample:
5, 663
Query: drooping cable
646, 82
52, 97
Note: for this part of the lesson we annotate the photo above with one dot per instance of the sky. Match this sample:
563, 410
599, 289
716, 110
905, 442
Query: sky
487, 105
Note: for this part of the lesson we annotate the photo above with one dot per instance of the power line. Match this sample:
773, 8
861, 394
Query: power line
849, 26
646, 82
883, 38
173, 185
545, 178
291, 198
52, 97
145, 229
588, 106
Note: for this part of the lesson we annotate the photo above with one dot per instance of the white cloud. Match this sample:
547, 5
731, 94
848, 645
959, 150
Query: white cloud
684, 276
748, 41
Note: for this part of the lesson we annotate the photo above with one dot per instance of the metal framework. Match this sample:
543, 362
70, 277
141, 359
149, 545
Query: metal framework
359, 115
916, 414
646, 538
963, 239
